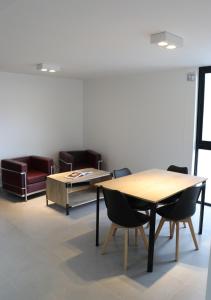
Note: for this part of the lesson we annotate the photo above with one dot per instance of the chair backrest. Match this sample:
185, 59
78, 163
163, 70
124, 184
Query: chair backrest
177, 169
121, 172
185, 207
119, 211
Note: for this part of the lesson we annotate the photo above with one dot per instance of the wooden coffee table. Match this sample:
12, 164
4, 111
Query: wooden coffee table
59, 186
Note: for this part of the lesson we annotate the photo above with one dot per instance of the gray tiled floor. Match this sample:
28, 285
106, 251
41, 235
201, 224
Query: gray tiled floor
45, 255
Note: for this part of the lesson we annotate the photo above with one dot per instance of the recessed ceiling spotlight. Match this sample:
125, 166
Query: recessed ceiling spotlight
171, 47
48, 67
162, 44
166, 40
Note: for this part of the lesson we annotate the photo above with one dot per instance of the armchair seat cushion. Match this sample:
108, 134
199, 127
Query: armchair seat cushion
83, 165
34, 176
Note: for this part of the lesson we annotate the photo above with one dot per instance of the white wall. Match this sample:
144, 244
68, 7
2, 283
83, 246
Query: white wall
141, 121
39, 115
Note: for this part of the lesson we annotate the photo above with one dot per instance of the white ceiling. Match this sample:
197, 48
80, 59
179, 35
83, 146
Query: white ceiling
90, 38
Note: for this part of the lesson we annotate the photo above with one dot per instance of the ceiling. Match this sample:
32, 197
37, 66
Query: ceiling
90, 38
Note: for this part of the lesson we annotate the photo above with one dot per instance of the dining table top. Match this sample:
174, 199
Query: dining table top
152, 185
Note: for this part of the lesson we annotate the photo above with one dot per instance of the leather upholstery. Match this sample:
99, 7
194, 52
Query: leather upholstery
34, 176
79, 160
36, 169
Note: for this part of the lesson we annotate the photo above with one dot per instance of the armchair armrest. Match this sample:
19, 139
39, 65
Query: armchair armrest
13, 166
14, 173
95, 158
99, 164
94, 153
66, 159
43, 164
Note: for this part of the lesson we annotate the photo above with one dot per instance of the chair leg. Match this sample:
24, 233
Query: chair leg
184, 224
126, 249
143, 235
136, 236
172, 229
148, 214
177, 241
114, 232
159, 227
170, 225
108, 237
193, 233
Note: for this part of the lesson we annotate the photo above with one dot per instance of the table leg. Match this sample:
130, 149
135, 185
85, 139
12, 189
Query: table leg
67, 209
201, 218
97, 216
151, 238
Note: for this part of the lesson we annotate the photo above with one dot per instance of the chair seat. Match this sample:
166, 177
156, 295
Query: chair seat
138, 204
138, 219
34, 176
167, 212
141, 219
171, 199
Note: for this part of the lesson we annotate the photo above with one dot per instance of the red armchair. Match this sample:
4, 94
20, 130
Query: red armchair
74, 160
25, 176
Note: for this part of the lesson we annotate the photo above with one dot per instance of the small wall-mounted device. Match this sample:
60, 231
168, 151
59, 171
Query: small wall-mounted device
191, 76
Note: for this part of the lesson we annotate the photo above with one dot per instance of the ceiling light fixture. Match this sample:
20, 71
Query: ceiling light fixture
166, 40
48, 68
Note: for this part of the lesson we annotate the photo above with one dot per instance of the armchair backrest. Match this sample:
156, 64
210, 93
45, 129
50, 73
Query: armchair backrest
24, 159
26, 163
41, 163
93, 158
79, 156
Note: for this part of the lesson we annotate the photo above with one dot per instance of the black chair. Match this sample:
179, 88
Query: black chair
182, 170
133, 202
121, 172
180, 211
176, 169
122, 215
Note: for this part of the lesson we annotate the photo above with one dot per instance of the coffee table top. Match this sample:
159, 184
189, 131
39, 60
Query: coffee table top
93, 174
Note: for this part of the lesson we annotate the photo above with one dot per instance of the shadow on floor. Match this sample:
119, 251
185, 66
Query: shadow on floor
90, 265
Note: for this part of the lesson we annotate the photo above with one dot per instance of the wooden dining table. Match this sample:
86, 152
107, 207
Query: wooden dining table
152, 186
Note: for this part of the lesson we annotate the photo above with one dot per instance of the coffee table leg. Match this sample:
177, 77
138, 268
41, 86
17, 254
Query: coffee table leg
151, 238
201, 218
97, 216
